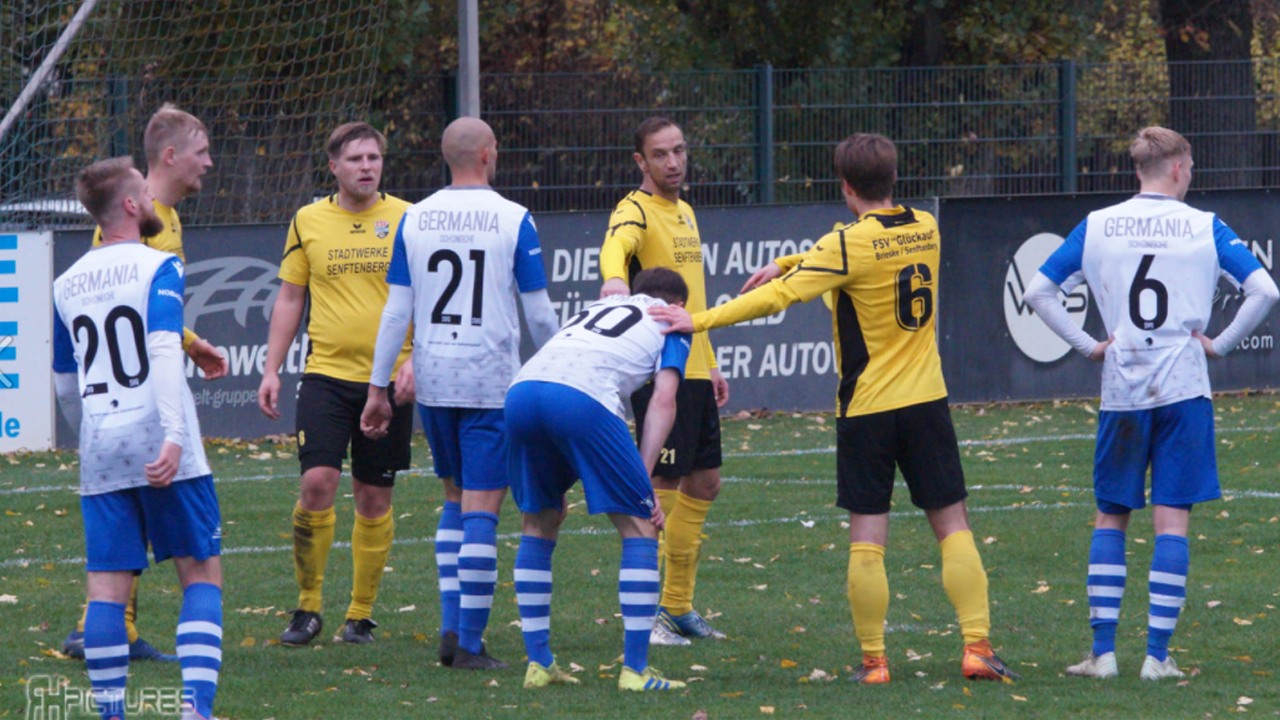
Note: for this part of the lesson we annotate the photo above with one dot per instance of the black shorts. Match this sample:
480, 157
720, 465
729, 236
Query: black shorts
919, 439
329, 420
694, 442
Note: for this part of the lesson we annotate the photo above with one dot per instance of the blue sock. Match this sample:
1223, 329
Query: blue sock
638, 589
1168, 592
533, 594
1106, 587
106, 653
448, 542
200, 645
477, 574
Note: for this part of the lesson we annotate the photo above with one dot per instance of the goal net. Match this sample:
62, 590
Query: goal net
269, 78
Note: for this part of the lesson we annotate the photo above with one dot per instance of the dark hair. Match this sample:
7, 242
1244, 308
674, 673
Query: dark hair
351, 132
869, 163
650, 126
662, 283
170, 127
100, 186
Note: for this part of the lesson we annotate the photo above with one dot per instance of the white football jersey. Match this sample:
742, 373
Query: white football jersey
106, 304
466, 251
1153, 264
609, 350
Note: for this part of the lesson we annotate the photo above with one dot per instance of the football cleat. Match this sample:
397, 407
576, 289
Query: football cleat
73, 645
358, 632
690, 625
664, 634
302, 629
465, 660
448, 647
1095, 666
142, 650
650, 679
1153, 669
874, 671
981, 663
537, 676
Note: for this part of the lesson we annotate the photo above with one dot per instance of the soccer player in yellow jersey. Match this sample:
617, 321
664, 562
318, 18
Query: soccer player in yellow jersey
892, 400
337, 254
653, 227
177, 148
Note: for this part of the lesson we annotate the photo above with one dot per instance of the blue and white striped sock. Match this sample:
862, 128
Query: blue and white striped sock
448, 542
477, 574
1168, 592
106, 653
1106, 587
200, 644
638, 589
533, 594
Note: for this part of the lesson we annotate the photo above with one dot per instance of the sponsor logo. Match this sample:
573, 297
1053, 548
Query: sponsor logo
1028, 331
381, 228
235, 284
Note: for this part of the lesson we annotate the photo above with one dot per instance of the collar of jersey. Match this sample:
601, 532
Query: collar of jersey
122, 242
467, 187
1156, 196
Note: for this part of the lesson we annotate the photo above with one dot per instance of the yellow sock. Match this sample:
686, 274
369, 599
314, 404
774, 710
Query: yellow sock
312, 538
684, 543
868, 595
80, 625
667, 499
131, 611
966, 584
370, 546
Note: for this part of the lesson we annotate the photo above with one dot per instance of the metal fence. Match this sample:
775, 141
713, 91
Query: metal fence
766, 135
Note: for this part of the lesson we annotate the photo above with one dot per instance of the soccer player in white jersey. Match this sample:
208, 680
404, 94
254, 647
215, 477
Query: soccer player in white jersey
144, 478
460, 258
1153, 264
565, 420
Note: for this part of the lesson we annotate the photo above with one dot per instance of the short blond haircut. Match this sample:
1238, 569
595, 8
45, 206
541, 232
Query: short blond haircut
170, 128
1154, 146
100, 186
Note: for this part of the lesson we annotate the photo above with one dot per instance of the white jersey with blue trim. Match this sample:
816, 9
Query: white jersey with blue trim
105, 306
465, 251
609, 350
1153, 264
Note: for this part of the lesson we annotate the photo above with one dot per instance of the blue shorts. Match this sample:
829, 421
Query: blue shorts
1175, 440
476, 435
181, 520
558, 434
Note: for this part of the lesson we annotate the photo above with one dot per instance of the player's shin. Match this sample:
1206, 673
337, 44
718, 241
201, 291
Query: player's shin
683, 545
1106, 587
106, 652
868, 596
448, 543
312, 538
533, 595
1168, 580
199, 641
477, 575
667, 499
965, 581
370, 545
638, 594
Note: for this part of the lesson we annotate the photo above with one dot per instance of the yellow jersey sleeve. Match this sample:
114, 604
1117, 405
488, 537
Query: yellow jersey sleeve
623, 240
295, 267
788, 262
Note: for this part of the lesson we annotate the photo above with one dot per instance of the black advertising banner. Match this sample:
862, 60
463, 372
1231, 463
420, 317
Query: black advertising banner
995, 348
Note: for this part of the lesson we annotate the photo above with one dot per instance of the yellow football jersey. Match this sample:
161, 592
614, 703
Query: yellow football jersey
647, 231
884, 271
341, 258
169, 240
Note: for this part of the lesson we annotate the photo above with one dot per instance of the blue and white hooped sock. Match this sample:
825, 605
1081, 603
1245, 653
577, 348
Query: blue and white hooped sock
638, 591
533, 594
106, 653
448, 542
1106, 587
1168, 579
477, 574
199, 644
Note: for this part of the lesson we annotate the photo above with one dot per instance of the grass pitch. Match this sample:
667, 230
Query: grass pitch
772, 577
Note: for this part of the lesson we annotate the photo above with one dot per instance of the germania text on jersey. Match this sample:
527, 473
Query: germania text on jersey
1146, 227
458, 221
97, 280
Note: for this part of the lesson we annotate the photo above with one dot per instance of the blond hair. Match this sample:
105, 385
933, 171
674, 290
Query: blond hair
1155, 146
170, 128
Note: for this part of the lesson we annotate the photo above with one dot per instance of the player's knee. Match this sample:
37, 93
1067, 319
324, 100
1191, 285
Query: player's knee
318, 489
702, 484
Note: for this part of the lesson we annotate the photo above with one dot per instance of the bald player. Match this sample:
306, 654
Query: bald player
177, 148
461, 258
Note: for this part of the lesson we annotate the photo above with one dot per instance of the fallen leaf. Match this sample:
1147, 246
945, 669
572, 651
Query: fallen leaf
248, 642
1213, 603
754, 427
766, 709
700, 715
819, 675
789, 664
10, 599
492, 683
698, 668
988, 541
1040, 590
575, 667
732, 694
1241, 621
1019, 698
1243, 700
408, 608
759, 587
